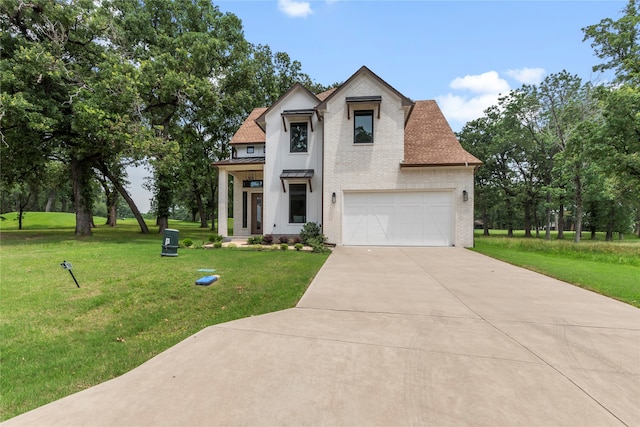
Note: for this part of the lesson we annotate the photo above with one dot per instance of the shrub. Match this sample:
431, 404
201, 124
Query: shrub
283, 239
297, 240
309, 231
231, 246
217, 245
317, 244
215, 238
298, 246
187, 242
254, 240
267, 239
284, 246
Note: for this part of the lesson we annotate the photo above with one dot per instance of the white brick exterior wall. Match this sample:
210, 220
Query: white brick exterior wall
279, 158
376, 167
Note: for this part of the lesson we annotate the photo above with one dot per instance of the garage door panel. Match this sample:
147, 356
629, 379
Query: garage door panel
398, 218
380, 222
358, 223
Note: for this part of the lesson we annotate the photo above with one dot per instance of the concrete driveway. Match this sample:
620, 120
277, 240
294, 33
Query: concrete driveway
391, 337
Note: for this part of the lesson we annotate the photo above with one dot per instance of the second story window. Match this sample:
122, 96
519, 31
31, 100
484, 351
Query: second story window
298, 138
363, 127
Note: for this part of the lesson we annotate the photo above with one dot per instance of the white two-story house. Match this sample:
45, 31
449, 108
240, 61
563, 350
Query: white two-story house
366, 163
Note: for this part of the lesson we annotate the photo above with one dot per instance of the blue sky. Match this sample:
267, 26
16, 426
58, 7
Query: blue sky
463, 54
460, 53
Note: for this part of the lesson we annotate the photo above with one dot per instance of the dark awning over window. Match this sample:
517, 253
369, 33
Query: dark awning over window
302, 112
307, 113
358, 100
296, 174
364, 99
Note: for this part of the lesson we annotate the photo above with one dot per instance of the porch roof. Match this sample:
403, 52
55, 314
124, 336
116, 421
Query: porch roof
241, 161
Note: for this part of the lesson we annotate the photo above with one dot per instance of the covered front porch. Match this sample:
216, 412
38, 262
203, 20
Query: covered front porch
247, 197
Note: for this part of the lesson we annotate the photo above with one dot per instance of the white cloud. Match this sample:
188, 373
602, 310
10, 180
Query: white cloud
482, 91
489, 82
295, 9
463, 109
529, 76
472, 94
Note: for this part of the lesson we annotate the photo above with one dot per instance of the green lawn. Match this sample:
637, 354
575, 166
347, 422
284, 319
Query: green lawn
57, 339
609, 268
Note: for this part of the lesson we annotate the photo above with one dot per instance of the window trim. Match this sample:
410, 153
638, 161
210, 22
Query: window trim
250, 149
363, 113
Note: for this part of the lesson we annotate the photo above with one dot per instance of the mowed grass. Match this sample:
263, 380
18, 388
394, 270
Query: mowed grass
57, 339
609, 268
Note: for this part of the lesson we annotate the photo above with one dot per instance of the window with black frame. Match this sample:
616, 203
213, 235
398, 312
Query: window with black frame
297, 203
363, 127
298, 138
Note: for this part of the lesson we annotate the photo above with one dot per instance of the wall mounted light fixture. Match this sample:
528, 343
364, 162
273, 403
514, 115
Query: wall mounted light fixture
333, 197
465, 195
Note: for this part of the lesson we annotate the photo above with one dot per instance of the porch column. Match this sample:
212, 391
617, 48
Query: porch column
223, 197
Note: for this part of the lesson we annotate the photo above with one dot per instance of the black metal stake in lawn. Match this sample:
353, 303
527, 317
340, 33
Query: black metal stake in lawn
67, 266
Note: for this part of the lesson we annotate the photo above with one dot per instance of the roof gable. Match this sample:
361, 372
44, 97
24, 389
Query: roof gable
406, 102
429, 140
261, 120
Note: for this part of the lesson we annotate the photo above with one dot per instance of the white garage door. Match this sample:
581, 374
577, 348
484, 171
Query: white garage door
398, 219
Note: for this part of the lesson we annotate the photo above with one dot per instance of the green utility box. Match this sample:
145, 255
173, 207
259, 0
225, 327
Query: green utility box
170, 242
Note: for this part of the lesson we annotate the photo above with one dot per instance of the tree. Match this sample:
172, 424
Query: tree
476, 137
617, 42
68, 93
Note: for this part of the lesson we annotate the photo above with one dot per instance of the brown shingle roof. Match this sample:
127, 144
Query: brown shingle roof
323, 95
249, 131
429, 140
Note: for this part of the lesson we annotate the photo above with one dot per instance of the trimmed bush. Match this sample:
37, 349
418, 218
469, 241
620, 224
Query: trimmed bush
283, 239
284, 246
299, 246
213, 238
254, 240
310, 231
267, 239
217, 245
187, 243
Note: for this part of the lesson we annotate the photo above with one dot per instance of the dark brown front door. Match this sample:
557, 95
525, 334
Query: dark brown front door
256, 213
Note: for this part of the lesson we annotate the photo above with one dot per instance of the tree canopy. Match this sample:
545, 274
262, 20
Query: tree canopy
97, 86
566, 146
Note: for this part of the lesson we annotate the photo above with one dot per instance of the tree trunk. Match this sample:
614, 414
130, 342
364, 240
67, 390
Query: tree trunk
21, 208
485, 221
527, 220
112, 206
50, 201
123, 192
578, 214
200, 205
81, 176
163, 199
609, 234
560, 224
547, 215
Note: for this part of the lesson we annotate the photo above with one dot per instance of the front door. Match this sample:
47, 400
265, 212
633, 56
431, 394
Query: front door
256, 213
